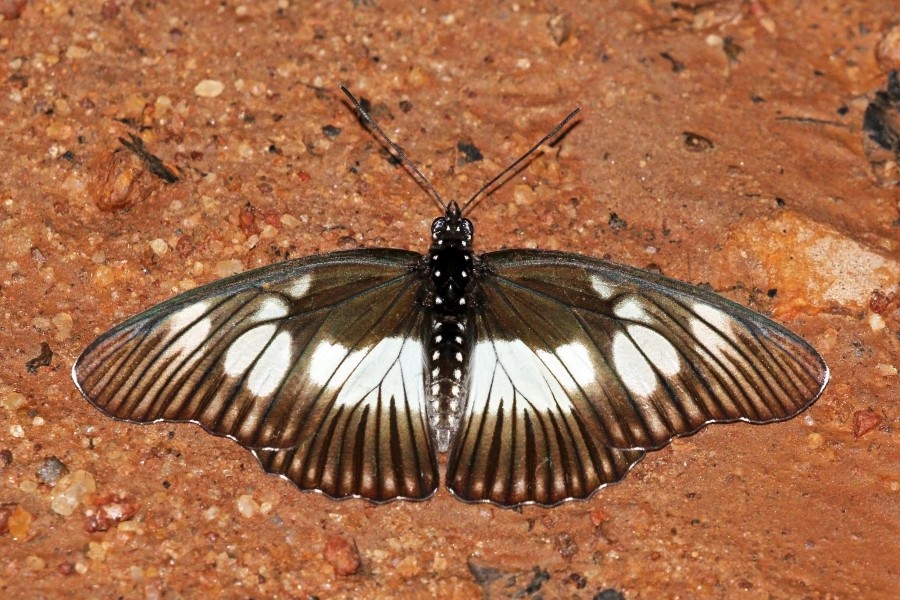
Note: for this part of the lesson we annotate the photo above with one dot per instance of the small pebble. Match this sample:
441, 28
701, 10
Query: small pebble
51, 470
12, 401
865, 421
63, 322
886, 370
887, 53
19, 523
159, 246
224, 268
247, 506
209, 88
560, 27
342, 554
68, 493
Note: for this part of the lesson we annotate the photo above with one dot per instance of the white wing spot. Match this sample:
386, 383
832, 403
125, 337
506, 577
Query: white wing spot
186, 316
602, 287
570, 363
438, 338
299, 287
392, 366
244, 350
193, 338
269, 371
331, 362
271, 308
657, 348
634, 370
459, 356
631, 309
713, 316
196, 334
708, 338
503, 368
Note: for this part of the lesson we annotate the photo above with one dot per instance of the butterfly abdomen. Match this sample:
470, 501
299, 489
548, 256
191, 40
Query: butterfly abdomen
446, 387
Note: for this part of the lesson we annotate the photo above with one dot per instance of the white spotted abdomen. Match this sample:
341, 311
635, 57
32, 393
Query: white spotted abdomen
445, 386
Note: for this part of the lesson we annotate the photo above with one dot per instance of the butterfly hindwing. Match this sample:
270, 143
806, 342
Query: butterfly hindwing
314, 364
585, 363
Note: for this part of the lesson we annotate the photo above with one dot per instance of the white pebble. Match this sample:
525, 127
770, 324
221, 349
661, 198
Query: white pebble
209, 88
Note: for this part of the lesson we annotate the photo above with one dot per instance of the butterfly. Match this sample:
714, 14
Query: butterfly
522, 376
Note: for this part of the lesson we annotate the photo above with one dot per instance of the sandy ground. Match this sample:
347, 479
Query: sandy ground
720, 142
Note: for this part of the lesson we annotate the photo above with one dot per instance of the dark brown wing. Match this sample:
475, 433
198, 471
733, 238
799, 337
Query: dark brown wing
316, 365
579, 365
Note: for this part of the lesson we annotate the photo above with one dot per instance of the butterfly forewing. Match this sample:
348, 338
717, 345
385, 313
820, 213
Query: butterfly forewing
315, 364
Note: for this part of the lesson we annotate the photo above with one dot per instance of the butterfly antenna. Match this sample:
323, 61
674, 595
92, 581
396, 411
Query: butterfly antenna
544, 139
400, 154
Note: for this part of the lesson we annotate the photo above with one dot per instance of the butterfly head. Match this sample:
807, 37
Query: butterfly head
452, 228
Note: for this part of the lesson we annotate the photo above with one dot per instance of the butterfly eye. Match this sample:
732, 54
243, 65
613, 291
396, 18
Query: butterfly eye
468, 229
438, 225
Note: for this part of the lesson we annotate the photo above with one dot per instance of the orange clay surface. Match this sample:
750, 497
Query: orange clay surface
775, 205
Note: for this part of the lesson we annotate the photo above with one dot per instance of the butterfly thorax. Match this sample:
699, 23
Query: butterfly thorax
450, 269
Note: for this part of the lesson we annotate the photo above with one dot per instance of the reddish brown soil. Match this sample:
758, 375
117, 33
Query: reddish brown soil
784, 198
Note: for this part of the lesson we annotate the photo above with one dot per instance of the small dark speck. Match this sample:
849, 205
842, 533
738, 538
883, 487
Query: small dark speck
534, 586
757, 99
406, 106
772, 292
68, 155
166, 484
273, 149
6, 458
843, 110
331, 131
249, 118
779, 201
609, 594
171, 435
579, 580
41, 360
470, 152
617, 223
732, 49
347, 241
483, 574
677, 65
694, 142
818, 73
